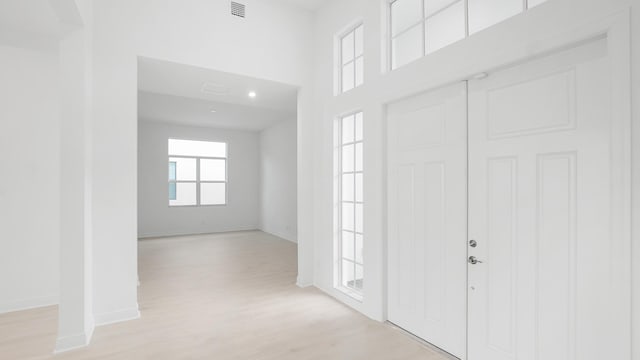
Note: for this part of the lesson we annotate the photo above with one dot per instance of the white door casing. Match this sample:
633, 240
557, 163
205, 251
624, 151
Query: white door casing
427, 205
545, 210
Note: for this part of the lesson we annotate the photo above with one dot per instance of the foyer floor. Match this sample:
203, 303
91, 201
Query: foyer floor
222, 296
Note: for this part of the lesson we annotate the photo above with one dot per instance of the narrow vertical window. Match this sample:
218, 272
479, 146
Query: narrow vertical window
352, 59
351, 204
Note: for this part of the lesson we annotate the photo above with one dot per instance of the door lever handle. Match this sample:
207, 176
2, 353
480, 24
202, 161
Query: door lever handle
473, 260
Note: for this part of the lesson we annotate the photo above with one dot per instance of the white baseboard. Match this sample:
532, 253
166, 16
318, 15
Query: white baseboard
302, 284
280, 235
73, 342
117, 316
29, 304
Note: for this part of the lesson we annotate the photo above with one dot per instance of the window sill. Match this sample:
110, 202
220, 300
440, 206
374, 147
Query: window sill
350, 293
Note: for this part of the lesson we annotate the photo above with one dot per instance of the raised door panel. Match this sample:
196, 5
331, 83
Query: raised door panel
541, 207
427, 217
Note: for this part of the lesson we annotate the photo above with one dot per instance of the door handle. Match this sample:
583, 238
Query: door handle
473, 260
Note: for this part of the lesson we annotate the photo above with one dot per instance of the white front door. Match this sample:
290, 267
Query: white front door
545, 211
427, 142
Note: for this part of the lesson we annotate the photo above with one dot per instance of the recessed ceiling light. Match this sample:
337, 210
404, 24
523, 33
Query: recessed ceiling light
214, 110
252, 94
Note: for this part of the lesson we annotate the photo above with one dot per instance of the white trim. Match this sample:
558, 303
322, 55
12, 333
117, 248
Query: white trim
342, 64
28, 304
337, 251
617, 29
73, 342
303, 284
117, 316
281, 236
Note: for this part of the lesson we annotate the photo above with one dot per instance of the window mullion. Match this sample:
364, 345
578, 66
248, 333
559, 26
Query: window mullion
198, 181
424, 30
355, 207
355, 65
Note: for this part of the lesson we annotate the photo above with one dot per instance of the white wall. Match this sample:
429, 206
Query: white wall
278, 184
29, 184
635, 157
509, 41
156, 218
273, 43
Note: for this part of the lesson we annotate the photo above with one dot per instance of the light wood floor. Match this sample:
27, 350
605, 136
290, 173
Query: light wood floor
226, 296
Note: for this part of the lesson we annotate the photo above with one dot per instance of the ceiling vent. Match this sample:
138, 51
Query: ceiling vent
237, 9
214, 89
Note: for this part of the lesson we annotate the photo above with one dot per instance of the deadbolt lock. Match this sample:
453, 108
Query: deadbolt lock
473, 243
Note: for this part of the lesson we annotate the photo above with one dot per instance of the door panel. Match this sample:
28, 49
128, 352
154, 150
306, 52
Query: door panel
541, 208
427, 216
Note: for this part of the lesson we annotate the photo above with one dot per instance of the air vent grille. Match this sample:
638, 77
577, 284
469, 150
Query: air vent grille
237, 9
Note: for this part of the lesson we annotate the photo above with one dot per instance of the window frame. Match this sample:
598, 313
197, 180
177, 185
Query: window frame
353, 292
198, 181
351, 29
422, 23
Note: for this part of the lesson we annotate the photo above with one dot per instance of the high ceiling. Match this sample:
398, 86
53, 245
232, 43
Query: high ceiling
188, 95
28, 23
307, 4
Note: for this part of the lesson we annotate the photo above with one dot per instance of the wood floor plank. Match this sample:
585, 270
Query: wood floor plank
221, 296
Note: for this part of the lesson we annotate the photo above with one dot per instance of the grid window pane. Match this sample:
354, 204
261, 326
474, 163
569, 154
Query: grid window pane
347, 129
348, 243
358, 249
172, 171
445, 27
359, 41
172, 191
348, 217
359, 187
213, 170
407, 47
348, 272
347, 158
213, 194
359, 125
404, 14
359, 278
348, 191
484, 13
348, 48
185, 169
359, 69
185, 195
359, 157
359, 220
348, 80
197, 148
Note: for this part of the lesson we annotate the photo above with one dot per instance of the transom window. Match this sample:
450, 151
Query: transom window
351, 204
352, 59
197, 173
420, 27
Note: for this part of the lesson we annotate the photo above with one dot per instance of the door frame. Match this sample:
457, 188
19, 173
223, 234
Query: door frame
616, 28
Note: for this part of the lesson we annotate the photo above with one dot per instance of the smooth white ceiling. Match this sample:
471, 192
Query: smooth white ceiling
171, 92
183, 80
196, 112
307, 4
33, 17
